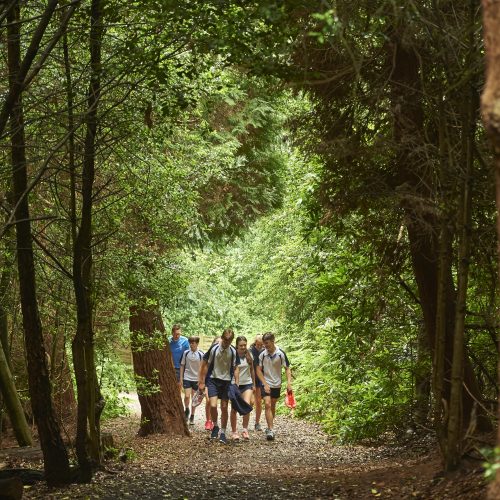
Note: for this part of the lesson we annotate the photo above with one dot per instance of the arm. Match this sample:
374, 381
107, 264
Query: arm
237, 375
263, 380
202, 375
288, 378
252, 373
181, 372
181, 377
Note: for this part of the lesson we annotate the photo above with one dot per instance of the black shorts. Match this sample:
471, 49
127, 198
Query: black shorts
190, 384
275, 392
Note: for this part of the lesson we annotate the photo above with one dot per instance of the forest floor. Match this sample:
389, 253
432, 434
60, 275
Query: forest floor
302, 462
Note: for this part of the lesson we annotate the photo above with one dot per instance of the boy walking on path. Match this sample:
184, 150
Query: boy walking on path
190, 370
178, 344
271, 361
216, 372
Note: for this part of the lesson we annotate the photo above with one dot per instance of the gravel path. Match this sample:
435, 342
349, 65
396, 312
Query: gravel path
301, 463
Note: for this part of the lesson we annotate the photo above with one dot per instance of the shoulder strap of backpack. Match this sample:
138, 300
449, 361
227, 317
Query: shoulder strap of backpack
184, 356
212, 352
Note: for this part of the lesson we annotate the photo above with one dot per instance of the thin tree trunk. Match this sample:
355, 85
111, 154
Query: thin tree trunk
90, 403
162, 410
455, 424
490, 106
56, 461
444, 264
12, 402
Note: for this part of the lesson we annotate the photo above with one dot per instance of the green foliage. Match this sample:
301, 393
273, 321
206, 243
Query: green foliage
115, 377
492, 464
147, 386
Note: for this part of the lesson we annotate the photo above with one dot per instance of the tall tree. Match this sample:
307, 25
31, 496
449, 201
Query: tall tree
56, 462
90, 403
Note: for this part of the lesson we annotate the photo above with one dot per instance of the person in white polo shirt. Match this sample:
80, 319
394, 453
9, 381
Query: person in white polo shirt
271, 362
244, 378
216, 372
190, 369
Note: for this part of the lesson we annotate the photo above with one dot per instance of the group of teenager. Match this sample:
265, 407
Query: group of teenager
256, 370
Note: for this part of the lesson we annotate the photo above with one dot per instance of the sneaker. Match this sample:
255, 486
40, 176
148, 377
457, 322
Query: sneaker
222, 437
191, 420
245, 435
186, 413
215, 432
270, 435
258, 427
235, 436
209, 425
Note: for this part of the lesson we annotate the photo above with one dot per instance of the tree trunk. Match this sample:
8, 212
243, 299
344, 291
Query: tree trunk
56, 463
90, 403
12, 402
490, 106
422, 379
455, 424
162, 411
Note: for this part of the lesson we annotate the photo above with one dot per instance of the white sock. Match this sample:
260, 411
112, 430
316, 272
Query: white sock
223, 430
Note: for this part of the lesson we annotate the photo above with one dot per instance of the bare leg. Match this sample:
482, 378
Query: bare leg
247, 396
224, 416
273, 406
207, 410
213, 409
187, 397
258, 405
269, 412
233, 421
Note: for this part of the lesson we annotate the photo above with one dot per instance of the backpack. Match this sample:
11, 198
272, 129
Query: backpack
185, 353
212, 363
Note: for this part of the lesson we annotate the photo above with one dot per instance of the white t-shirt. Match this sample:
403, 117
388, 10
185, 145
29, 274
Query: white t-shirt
224, 361
271, 366
245, 373
191, 360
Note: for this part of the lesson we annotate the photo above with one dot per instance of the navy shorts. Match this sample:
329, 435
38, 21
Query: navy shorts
245, 387
218, 387
190, 384
275, 392
178, 374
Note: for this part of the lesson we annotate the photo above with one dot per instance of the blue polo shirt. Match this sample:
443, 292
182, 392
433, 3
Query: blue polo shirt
178, 347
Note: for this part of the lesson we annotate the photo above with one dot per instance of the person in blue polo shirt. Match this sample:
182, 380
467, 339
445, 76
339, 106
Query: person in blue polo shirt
271, 362
216, 372
178, 344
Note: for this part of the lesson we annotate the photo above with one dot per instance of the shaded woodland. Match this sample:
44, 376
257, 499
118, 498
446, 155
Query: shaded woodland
318, 169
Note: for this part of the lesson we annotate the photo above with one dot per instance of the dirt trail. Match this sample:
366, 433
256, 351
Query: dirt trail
301, 463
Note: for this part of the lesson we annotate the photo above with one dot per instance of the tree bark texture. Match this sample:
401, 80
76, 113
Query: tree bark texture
490, 107
56, 463
90, 403
162, 410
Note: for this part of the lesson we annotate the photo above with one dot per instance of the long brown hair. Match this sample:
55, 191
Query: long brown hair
247, 353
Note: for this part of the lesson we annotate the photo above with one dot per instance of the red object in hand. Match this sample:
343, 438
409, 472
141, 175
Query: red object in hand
290, 400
